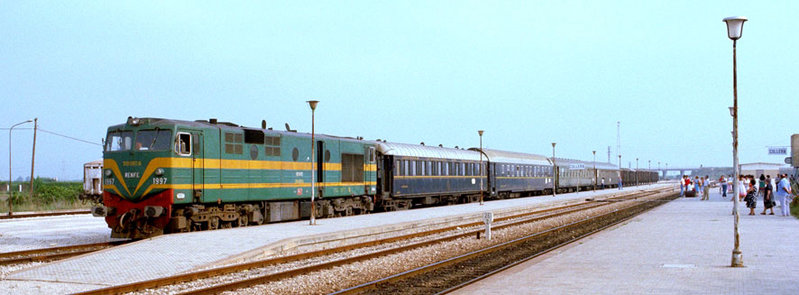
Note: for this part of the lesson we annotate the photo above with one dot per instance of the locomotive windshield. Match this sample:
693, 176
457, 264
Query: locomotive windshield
146, 140
119, 141
153, 140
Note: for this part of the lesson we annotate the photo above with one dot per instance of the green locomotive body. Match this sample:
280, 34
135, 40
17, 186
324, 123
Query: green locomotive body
165, 175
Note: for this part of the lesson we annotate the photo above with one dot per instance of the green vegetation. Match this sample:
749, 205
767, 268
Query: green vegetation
48, 195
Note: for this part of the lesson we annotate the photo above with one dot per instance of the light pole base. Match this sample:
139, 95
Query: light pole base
737, 259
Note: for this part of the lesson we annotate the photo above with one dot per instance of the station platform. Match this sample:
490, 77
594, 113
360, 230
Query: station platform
178, 253
682, 247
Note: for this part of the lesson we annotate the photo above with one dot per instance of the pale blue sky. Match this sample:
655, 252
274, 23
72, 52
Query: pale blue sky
528, 72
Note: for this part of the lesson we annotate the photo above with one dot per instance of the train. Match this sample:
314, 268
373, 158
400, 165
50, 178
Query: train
166, 176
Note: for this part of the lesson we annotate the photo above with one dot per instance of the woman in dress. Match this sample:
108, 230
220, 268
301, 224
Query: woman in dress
751, 196
768, 195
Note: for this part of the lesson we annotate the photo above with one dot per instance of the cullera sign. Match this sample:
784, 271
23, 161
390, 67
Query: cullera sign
780, 150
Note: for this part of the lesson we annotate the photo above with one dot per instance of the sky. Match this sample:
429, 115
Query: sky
529, 73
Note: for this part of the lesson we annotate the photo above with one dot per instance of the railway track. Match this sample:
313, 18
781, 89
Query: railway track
41, 214
451, 274
54, 253
404, 243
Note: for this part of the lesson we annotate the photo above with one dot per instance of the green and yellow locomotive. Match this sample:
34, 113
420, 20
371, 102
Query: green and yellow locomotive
163, 176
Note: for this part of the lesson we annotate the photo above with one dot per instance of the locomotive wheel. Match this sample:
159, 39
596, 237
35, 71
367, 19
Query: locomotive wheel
213, 223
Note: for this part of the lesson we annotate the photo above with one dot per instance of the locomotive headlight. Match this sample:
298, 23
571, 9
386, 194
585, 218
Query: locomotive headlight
107, 172
159, 172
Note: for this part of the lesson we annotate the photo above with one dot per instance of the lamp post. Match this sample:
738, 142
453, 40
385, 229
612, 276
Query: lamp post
480, 132
620, 182
735, 25
596, 175
313, 103
10, 206
554, 172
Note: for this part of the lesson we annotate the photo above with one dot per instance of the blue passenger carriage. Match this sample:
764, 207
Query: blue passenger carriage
417, 175
515, 174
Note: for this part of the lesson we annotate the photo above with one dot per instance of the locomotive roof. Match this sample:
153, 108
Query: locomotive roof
423, 151
232, 126
514, 157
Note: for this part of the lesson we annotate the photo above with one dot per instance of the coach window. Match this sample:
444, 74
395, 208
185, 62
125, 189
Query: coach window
429, 166
183, 144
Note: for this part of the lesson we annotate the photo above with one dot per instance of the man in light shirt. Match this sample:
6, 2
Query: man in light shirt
783, 193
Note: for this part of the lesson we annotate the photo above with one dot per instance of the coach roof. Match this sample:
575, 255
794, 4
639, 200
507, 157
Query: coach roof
423, 151
498, 156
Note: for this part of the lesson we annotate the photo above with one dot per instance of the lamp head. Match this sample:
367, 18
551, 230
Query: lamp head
553, 145
735, 26
313, 103
480, 132
732, 111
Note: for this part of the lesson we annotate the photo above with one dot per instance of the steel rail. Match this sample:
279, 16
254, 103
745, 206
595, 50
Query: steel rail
53, 253
485, 251
48, 213
180, 278
303, 270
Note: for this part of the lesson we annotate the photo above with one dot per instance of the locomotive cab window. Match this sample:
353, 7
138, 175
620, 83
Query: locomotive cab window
183, 144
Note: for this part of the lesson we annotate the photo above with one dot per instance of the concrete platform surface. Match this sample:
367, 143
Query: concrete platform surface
177, 253
683, 247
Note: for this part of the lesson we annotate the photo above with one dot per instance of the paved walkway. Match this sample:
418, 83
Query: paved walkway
683, 247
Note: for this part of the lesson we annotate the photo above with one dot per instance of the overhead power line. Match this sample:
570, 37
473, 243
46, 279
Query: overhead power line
58, 134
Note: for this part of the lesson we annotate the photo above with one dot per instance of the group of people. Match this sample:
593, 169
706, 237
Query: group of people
750, 188
700, 185
769, 190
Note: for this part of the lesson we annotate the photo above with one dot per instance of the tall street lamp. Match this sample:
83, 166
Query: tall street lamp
313, 103
636, 171
10, 206
735, 25
480, 132
596, 175
554, 173
620, 182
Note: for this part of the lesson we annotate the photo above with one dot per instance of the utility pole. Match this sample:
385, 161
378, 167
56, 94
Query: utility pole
33, 153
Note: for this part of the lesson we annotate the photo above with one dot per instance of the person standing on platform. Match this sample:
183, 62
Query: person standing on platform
696, 189
603, 183
751, 196
706, 186
620, 181
741, 188
768, 195
682, 186
783, 192
723, 182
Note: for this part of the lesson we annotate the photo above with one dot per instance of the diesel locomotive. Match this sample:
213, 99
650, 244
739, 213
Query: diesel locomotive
163, 176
